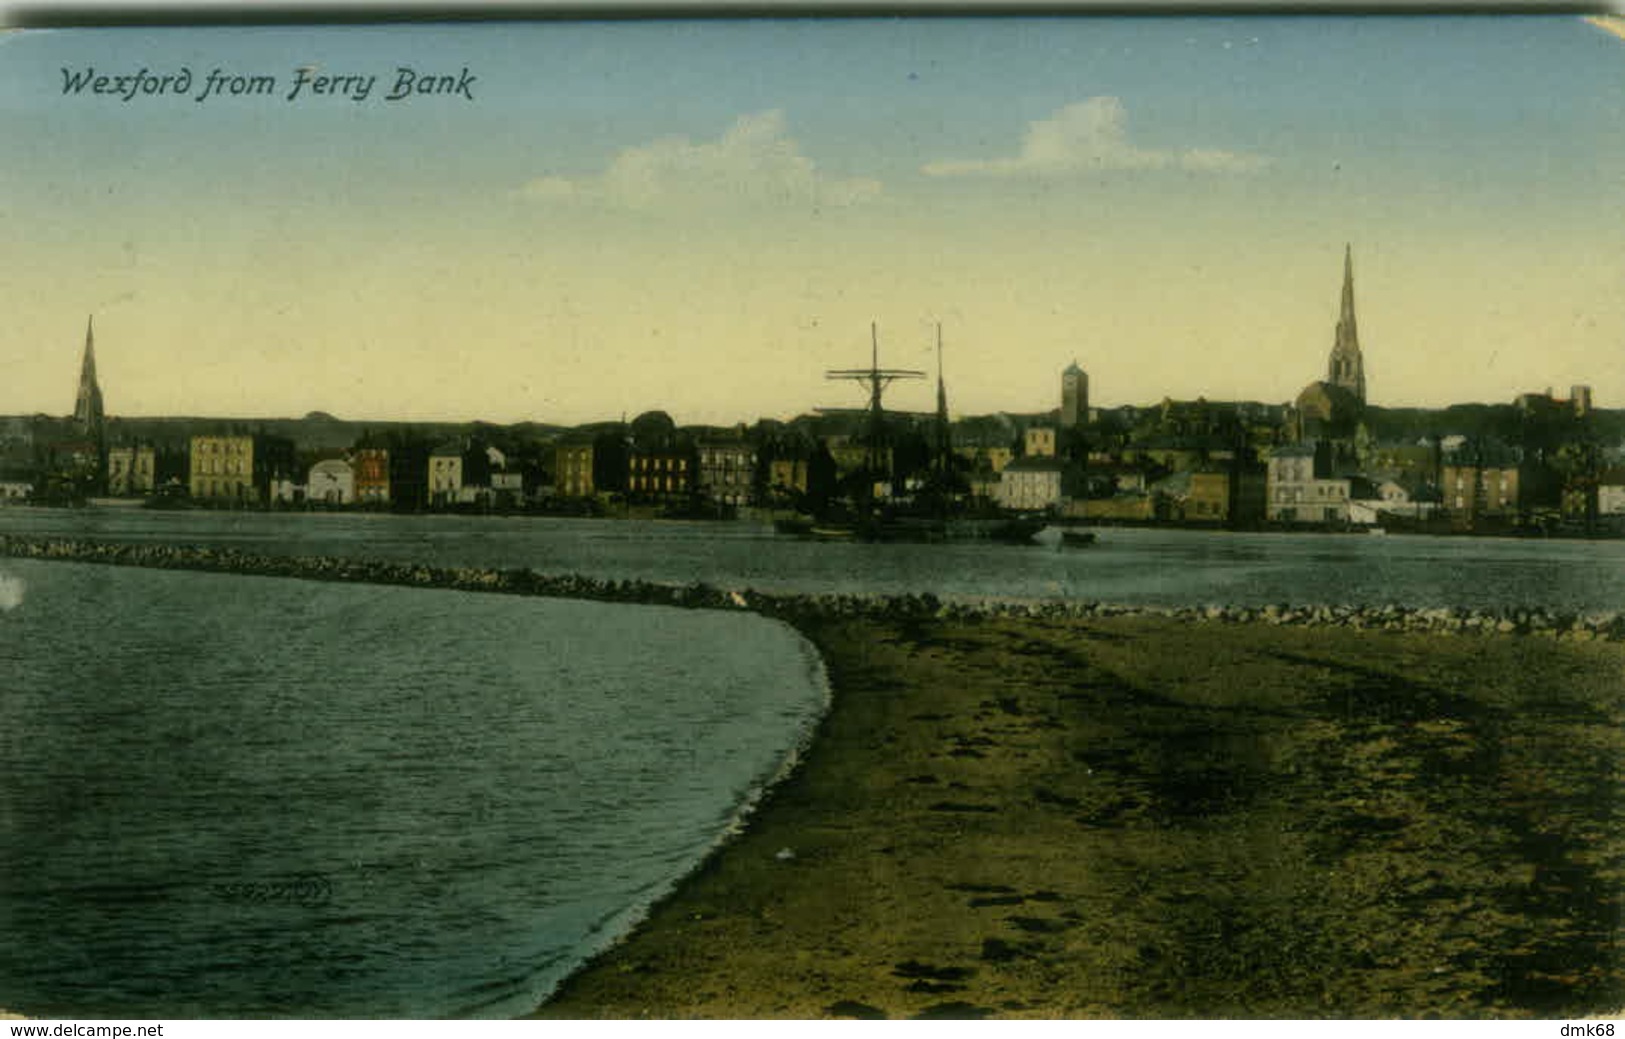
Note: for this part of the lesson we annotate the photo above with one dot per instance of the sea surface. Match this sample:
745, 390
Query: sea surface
225, 796
1127, 565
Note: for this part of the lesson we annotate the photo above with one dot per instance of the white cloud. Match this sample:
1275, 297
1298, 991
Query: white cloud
1092, 136
754, 162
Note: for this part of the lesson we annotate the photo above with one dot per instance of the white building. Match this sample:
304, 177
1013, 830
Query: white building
508, 488
1611, 493
727, 470
1301, 489
1030, 484
446, 474
285, 491
130, 470
332, 482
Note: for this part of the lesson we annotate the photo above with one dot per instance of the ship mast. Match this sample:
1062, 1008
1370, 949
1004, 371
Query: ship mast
876, 379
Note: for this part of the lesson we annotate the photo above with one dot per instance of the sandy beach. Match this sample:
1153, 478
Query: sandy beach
1152, 817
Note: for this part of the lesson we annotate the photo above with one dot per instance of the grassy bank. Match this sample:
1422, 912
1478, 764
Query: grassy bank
1145, 817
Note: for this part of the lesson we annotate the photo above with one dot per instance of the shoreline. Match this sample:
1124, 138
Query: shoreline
1016, 809
1606, 625
1053, 819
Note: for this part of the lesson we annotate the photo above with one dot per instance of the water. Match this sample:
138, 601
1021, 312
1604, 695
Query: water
225, 796
1140, 566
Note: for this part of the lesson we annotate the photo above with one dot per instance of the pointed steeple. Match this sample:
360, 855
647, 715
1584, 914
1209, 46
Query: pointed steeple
944, 442
1347, 315
1346, 367
87, 406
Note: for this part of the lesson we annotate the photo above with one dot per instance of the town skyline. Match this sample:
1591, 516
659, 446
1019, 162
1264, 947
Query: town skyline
611, 225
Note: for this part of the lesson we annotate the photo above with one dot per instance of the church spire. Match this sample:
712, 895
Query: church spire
1347, 368
1348, 286
944, 438
87, 406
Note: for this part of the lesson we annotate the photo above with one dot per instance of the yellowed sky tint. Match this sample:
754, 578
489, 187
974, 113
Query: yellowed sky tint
1480, 274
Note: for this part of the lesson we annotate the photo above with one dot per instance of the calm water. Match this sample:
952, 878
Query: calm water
226, 796
1168, 567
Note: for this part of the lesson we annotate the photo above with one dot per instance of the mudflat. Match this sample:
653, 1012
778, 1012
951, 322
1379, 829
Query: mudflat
1146, 817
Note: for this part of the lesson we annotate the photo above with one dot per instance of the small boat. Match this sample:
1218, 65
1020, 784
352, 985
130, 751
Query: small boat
832, 533
1077, 538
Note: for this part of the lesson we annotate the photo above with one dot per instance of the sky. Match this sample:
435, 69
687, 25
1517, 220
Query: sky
704, 216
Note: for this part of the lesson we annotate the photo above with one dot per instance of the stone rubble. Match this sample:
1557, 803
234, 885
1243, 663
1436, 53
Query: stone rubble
1439, 620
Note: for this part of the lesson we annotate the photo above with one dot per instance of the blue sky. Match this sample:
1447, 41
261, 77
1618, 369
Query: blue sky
703, 216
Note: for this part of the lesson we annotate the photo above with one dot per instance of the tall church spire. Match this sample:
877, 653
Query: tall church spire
1346, 367
87, 407
944, 437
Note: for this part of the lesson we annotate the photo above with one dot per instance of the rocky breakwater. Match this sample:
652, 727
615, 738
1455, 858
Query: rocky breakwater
1442, 620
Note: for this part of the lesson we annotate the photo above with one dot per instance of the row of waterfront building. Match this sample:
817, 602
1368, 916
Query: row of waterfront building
1326, 459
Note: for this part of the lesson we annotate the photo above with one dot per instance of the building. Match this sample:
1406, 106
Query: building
1549, 404
1207, 496
1324, 411
1108, 479
1232, 496
1074, 397
1345, 367
508, 488
331, 482
1132, 507
1399, 491
221, 468
1331, 409
15, 488
572, 468
286, 490
72, 456
131, 470
1399, 497
238, 468
1484, 481
1412, 463
1177, 454
409, 475
727, 471
1300, 487
787, 478
1038, 442
1031, 484
1611, 492
446, 474
371, 467
659, 474
1481, 491
986, 459
88, 412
